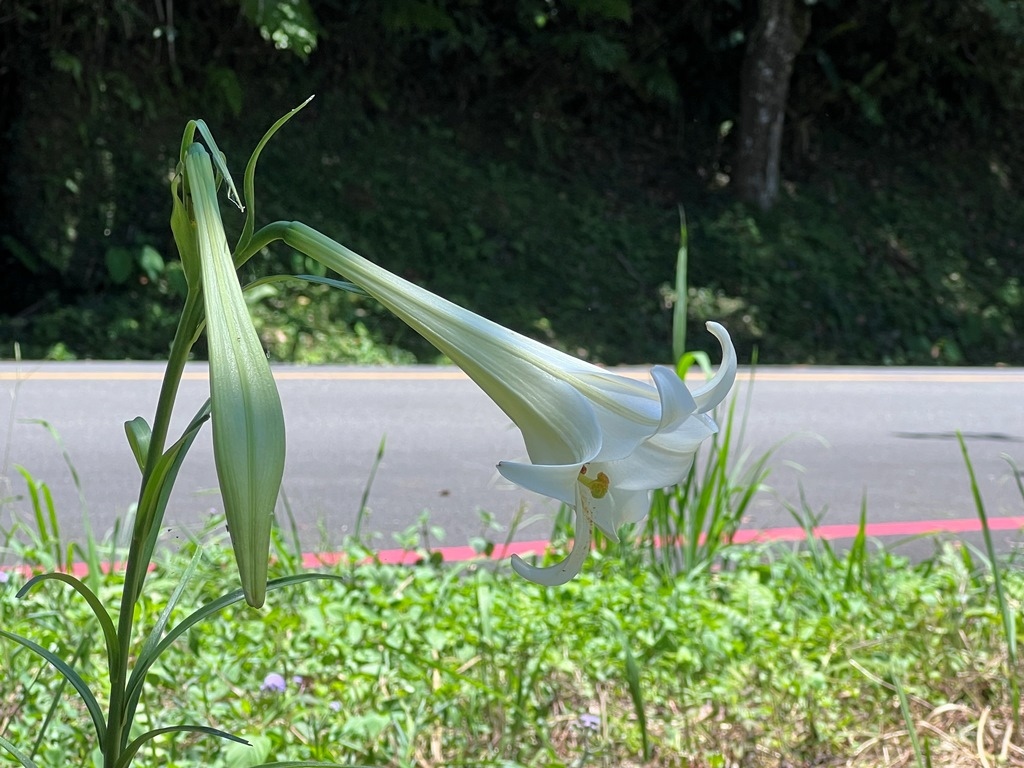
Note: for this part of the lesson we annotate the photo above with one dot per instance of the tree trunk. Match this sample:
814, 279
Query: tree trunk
782, 28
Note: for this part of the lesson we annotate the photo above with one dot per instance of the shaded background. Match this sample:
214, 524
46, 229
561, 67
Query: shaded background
850, 171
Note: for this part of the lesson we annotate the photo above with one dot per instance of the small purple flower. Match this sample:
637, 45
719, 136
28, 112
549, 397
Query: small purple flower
5, 576
335, 706
589, 722
274, 683
297, 679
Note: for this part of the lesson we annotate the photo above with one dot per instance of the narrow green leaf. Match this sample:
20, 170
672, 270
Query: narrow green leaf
130, 751
218, 162
990, 548
173, 458
80, 653
154, 497
908, 720
21, 757
106, 623
679, 306
857, 555
1005, 609
42, 528
342, 284
636, 692
272, 279
183, 228
146, 655
138, 675
139, 433
75, 479
249, 181
187, 138
72, 677
363, 509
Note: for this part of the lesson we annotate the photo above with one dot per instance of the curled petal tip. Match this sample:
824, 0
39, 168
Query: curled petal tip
563, 572
714, 392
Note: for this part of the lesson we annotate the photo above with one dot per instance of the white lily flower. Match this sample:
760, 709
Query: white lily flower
597, 441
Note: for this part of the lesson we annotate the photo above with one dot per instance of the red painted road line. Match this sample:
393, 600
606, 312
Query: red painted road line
743, 536
464, 554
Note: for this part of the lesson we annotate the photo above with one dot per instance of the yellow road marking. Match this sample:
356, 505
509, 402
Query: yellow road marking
988, 376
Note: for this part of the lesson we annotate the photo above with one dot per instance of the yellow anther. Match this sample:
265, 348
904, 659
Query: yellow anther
598, 486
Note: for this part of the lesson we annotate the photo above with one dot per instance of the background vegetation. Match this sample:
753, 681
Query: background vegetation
527, 159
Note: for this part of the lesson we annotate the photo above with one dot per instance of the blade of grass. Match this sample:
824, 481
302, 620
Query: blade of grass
289, 553
1009, 619
857, 555
48, 539
80, 653
636, 692
679, 307
908, 718
361, 512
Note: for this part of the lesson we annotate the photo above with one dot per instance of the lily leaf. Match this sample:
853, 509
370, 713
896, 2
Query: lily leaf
20, 756
99, 724
139, 434
106, 624
249, 181
138, 676
132, 749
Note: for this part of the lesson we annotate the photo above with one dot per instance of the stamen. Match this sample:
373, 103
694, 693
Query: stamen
598, 486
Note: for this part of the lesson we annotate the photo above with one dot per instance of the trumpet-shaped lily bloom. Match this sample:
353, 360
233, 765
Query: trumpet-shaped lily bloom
597, 441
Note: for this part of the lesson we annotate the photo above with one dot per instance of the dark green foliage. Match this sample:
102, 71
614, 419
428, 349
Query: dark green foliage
526, 159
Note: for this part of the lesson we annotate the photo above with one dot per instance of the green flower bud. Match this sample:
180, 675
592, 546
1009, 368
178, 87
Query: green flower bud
248, 422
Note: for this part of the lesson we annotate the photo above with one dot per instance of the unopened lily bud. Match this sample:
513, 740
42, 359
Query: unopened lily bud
248, 422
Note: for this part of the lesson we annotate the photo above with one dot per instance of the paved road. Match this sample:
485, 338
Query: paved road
889, 433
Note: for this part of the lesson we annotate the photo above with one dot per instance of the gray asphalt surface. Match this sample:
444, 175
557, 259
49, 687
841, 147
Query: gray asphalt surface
837, 433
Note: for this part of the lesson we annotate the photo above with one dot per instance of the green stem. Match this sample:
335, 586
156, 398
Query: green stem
138, 561
260, 240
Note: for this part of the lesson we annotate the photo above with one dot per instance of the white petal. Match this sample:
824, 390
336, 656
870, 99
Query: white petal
560, 573
632, 506
676, 401
573, 437
627, 411
617, 507
555, 480
661, 461
714, 392
623, 397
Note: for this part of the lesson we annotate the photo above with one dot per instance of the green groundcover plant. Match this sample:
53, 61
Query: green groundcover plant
777, 656
597, 441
